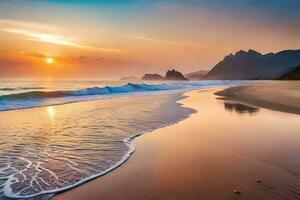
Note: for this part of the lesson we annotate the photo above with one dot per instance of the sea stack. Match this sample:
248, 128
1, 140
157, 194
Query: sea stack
175, 75
171, 75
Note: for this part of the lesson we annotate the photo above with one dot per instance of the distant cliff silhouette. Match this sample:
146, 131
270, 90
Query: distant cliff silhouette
198, 75
253, 65
293, 74
152, 77
170, 75
129, 78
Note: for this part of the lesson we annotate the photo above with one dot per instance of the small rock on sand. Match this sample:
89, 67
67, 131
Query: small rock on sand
236, 192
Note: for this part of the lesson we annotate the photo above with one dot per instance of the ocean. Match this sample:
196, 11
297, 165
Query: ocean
57, 135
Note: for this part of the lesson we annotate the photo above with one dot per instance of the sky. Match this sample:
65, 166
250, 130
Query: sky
110, 39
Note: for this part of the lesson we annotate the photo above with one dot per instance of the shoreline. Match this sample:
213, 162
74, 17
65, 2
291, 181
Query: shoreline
106, 184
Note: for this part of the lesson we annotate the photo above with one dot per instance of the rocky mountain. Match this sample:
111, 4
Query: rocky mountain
252, 65
170, 75
152, 77
174, 75
293, 74
198, 75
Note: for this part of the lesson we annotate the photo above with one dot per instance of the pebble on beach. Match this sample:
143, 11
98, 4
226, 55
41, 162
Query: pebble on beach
236, 192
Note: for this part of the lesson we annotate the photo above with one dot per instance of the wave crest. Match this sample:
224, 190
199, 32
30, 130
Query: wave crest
40, 98
130, 87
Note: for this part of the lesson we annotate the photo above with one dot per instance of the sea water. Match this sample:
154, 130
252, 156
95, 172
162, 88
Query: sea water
28, 94
56, 144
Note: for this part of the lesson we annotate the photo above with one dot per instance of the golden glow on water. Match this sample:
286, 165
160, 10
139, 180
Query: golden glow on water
51, 113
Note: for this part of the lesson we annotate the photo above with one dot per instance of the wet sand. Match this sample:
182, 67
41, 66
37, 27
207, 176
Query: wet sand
278, 95
225, 146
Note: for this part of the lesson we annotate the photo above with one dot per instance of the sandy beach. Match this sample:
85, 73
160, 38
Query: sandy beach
278, 95
227, 150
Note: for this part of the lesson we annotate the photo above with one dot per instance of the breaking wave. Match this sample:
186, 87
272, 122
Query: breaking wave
130, 87
36, 97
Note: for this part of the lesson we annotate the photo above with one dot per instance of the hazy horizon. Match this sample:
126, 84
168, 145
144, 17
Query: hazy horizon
111, 39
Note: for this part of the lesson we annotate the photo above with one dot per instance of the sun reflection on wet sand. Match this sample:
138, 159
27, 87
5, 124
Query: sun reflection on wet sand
51, 112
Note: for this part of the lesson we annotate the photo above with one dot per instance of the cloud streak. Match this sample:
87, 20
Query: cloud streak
8, 23
29, 31
150, 39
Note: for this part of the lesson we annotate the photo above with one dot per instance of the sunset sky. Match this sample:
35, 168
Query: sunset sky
110, 39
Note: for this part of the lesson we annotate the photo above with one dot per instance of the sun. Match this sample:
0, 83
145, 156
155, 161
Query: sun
49, 60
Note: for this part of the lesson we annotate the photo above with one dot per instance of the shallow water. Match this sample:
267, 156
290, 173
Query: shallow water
47, 149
